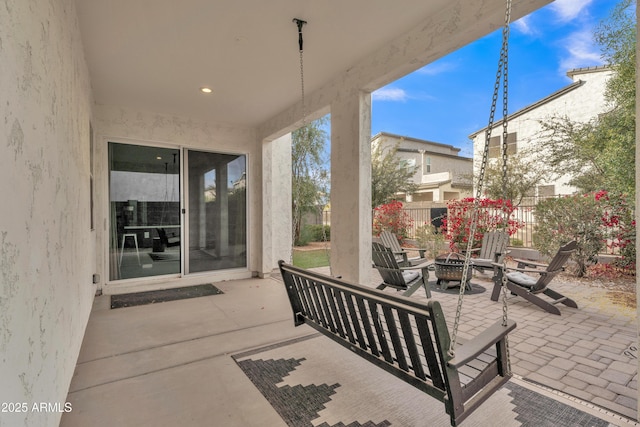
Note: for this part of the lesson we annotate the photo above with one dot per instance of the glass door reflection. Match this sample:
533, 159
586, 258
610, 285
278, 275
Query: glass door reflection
144, 193
216, 188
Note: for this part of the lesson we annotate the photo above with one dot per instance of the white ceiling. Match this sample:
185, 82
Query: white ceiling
156, 54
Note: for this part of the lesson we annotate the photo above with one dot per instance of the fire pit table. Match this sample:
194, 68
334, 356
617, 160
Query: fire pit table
449, 268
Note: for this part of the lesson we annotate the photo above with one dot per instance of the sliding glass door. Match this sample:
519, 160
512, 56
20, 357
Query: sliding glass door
147, 233
217, 205
145, 220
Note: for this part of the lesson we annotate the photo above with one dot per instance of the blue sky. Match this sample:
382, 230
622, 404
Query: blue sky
449, 99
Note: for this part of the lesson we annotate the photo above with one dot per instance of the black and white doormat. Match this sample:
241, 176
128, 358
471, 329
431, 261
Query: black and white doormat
164, 295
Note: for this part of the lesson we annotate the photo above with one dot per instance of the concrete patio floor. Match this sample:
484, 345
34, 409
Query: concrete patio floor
169, 364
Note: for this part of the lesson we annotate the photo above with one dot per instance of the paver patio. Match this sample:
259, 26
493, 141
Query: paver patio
130, 355
589, 353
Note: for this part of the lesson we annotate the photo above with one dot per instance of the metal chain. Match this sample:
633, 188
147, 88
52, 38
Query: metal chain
304, 108
505, 135
501, 77
300, 23
296, 209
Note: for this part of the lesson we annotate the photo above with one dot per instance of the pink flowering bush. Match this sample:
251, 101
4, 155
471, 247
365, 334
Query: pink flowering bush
492, 214
620, 225
393, 218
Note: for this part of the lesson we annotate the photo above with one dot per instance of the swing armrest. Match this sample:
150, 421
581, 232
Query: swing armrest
477, 345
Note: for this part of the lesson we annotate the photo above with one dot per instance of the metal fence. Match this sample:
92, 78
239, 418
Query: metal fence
435, 212
525, 214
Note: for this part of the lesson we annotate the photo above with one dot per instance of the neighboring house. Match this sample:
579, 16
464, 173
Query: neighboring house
441, 174
580, 101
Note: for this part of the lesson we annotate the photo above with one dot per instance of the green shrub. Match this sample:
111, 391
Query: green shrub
561, 220
305, 236
518, 243
317, 234
595, 220
429, 238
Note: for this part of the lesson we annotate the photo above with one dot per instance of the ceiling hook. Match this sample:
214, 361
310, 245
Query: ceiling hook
300, 23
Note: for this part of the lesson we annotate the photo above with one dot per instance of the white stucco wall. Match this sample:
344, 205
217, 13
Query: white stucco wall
46, 260
581, 104
118, 124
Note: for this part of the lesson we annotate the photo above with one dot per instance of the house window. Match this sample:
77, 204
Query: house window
546, 190
495, 144
426, 165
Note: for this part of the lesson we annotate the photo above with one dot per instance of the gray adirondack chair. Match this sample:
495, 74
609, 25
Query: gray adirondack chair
522, 283
494, 249
401, 255
403, 278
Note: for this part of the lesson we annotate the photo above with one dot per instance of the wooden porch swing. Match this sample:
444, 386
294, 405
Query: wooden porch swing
405, 337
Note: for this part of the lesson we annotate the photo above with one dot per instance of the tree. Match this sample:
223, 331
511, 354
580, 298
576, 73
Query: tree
601, 154
389, 175
617, 38
524, 174
575, 149
309, 178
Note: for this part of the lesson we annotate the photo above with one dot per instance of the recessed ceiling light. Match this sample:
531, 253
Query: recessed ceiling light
158, 158
206, 90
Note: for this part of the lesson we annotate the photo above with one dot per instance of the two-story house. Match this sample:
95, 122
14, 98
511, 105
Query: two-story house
441, 173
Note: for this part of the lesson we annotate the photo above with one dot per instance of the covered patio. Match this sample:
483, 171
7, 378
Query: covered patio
182, 362
83, 79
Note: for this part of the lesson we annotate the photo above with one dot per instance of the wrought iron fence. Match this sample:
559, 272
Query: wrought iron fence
525, 214
435, 212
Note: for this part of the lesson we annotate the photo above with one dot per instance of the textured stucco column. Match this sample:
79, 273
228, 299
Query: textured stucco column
351, 187
276, 203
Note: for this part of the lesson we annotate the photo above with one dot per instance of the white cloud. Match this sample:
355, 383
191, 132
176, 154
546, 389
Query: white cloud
569, 9
581, 50
524, 26
436, 68
390, 94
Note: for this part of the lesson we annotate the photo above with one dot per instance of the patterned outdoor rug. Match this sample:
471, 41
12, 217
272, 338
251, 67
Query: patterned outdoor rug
152, 297
315, 382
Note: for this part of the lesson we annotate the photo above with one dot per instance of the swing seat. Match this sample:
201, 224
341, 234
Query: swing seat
404, 337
